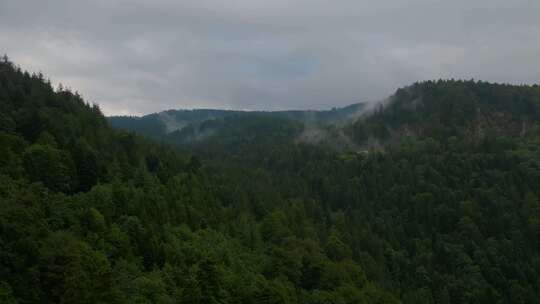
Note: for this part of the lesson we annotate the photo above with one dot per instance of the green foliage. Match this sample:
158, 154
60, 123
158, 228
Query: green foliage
6, 294
51, 166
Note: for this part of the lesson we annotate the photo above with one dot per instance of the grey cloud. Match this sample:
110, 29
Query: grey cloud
144, 56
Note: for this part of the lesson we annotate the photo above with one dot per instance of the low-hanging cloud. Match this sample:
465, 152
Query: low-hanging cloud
134, 57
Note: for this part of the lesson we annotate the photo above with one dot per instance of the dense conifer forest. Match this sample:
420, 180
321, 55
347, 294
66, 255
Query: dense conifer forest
434, 199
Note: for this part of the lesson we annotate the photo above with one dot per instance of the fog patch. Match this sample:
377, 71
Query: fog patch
171, 123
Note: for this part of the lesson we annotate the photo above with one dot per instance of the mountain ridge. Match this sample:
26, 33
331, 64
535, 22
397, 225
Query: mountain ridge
168, 121
441, 108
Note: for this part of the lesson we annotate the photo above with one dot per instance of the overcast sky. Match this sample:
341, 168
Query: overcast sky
137, 57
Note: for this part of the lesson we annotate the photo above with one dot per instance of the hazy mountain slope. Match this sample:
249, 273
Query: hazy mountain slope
439, 109
159, 124
163, 123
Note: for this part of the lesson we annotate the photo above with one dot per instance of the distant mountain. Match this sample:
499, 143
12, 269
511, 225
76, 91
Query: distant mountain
435, 109
158, 125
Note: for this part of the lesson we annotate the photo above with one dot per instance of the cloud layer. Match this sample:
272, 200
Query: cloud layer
135, 57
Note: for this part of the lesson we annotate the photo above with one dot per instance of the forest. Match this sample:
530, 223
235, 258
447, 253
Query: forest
434, 200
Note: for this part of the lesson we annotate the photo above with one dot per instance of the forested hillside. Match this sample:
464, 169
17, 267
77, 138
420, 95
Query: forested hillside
181, 127
444, 110
92, 215
445, 209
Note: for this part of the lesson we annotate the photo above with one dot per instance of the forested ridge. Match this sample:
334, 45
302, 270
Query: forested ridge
183, 125
440, 206
442, 110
